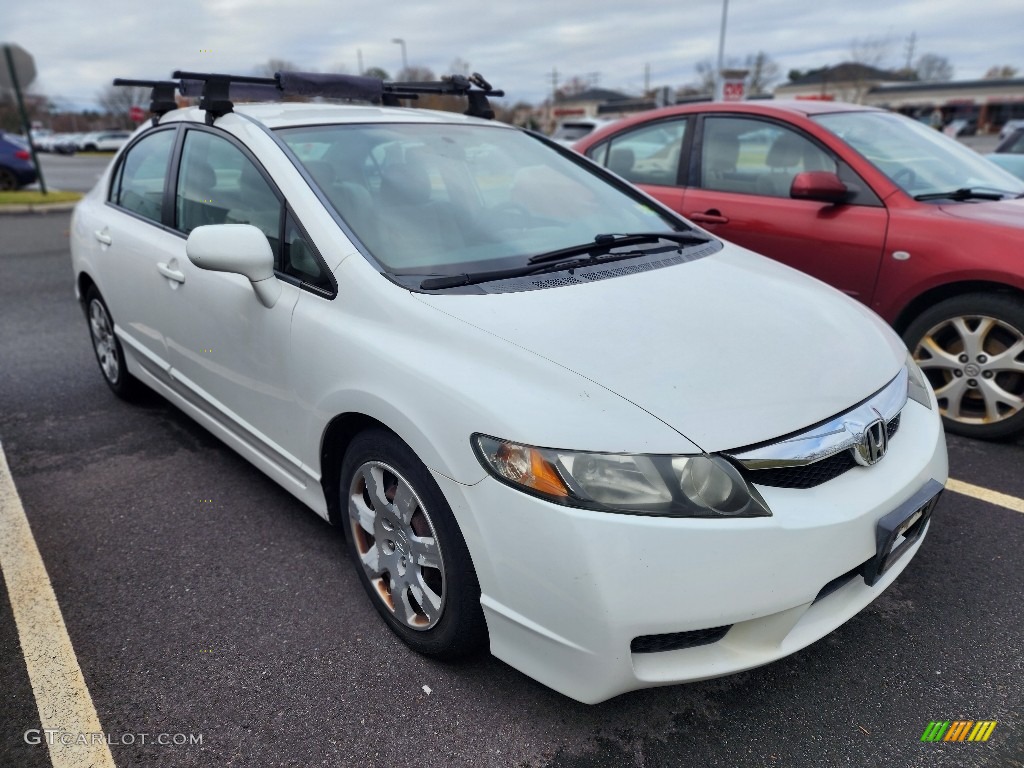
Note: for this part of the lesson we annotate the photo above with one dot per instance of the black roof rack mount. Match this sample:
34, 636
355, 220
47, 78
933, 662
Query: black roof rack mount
217, 92
161, 98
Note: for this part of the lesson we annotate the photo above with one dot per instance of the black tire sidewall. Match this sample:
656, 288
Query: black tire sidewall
1008, 309
461, 631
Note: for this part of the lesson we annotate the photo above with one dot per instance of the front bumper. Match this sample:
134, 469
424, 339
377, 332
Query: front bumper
566, 591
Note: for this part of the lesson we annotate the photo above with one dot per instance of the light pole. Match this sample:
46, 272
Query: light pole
721, 53
405, 61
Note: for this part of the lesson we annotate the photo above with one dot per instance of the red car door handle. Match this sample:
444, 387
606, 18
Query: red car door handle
711, 217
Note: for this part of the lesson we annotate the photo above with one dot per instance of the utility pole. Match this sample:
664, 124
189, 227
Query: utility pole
359, 59
405, 60
911, 42
647, 78
554, 91
719, 84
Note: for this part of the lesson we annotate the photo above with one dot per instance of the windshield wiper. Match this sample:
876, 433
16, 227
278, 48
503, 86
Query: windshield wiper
606, 242
555, 261
965, 193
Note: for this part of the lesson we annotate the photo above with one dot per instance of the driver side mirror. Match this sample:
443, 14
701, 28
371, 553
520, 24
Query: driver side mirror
241, 249
823, 186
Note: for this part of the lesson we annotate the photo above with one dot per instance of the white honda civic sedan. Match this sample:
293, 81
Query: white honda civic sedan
553, 418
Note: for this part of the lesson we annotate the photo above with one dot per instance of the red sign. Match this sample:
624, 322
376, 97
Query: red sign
732, 90
136, 114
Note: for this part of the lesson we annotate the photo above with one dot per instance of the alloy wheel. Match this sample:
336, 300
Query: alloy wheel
975, 364
103, 340
397, 546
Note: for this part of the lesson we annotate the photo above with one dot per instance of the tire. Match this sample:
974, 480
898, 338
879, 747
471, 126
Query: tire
971, 349
432, 605
107, 347
8, 180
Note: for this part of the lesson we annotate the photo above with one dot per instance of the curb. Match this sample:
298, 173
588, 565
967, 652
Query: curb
38, 208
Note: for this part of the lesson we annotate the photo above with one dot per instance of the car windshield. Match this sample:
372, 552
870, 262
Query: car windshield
444, 199
919, 159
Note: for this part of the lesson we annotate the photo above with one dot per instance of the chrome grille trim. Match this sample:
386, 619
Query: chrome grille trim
831, 437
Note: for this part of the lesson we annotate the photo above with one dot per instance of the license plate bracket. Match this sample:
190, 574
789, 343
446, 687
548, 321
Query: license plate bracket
897, 531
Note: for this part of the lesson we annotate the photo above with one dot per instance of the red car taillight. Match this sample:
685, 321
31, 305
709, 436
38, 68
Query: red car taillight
21, 154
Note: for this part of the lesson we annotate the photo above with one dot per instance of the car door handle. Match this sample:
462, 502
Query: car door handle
170, 274
103, 237
711, 217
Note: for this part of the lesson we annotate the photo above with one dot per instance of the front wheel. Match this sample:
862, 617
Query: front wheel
407, 548
971, 349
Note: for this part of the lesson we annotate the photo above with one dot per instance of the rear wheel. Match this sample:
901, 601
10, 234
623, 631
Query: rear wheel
408, 550
107, 347
8, 180
971, 348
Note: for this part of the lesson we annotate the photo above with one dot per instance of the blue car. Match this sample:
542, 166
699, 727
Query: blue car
16, 168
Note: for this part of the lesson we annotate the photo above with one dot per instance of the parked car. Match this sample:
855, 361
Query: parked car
104, 141
962, 126
550, 415
923, 230
16, 167
1009, 155
1009, 127
569, 131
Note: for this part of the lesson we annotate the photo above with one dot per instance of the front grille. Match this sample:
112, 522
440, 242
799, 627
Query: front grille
677, 640
811, 475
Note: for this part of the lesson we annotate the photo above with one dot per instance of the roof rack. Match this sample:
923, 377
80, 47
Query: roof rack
161, 98
217, 92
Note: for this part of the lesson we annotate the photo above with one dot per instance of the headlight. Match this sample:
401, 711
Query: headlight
644, 484
918, 388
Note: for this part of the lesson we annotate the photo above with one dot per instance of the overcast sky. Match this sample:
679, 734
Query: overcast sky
81, 45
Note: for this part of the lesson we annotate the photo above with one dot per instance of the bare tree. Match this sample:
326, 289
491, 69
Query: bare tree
415, 74
931, 67
871, 51
459, 66
574, 86
763, 72
273, 66
706, 76
1001, 72
377, 72
118, 100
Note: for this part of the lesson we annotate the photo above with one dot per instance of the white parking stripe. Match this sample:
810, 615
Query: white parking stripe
984, 494
62, 697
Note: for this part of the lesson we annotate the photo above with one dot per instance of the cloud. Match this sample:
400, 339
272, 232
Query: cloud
80, 47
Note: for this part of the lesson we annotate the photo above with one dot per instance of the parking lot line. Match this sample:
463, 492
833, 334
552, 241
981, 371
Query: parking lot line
62, 698
984, 494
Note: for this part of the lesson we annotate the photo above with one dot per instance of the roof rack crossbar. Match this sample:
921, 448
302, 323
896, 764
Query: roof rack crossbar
217, 92
161, 98
216, 95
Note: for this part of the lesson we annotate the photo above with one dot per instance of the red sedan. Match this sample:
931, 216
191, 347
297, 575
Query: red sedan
923, 230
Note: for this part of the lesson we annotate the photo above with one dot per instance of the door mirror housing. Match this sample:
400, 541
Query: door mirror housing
822, 186
241, 249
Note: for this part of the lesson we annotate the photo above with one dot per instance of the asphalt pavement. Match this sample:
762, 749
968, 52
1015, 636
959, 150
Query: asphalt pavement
204, 601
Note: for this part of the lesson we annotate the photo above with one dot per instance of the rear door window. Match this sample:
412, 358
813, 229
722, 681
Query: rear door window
139, 182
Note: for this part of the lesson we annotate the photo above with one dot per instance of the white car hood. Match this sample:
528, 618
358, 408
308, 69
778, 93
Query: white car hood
729, 350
